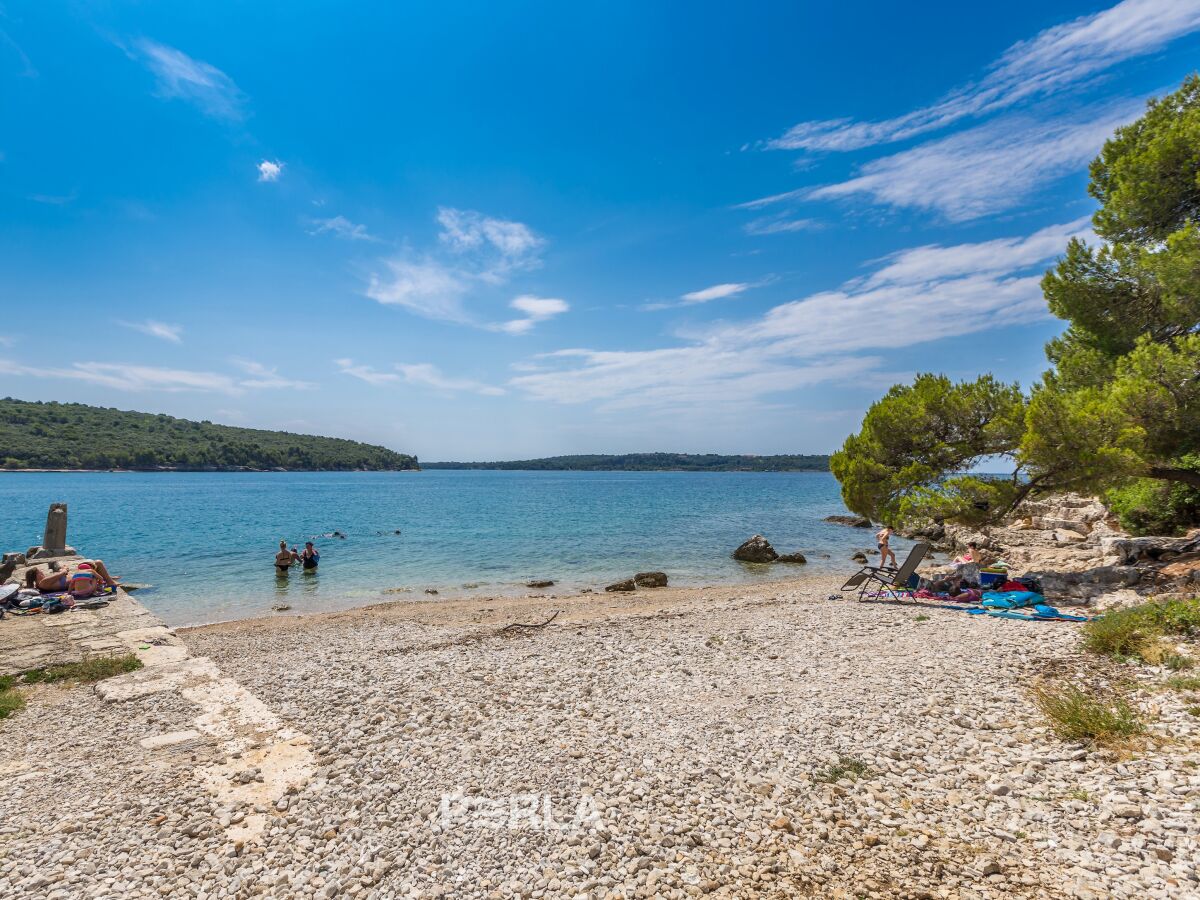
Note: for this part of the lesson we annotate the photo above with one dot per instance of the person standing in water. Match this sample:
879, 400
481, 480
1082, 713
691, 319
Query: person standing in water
285, 559
310, 557
882, 537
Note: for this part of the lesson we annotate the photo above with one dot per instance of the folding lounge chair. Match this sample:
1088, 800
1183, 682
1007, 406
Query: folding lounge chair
887, 578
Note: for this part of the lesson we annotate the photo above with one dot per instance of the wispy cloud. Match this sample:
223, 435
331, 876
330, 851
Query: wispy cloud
1054, 60
982, 170
934, 262
342, 227
473, 250
424, 374
716, 292
365, 373
127, 377
426, 288
260, 376
269, 170
914, 297
179, 76
430, 376
782, 224
162, 330
536, 309
27, 69
54, 199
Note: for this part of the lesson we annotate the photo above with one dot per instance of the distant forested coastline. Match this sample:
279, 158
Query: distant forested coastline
652, 462
77, 436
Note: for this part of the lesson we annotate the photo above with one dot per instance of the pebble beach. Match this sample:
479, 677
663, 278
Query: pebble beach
729, 742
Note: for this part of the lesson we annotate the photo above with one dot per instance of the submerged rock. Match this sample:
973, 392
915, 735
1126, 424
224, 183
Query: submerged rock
852, 521
756, 550
797, 557
859, 557
650, 579
540, 583
626, 585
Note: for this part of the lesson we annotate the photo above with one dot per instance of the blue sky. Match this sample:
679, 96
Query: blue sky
486, 231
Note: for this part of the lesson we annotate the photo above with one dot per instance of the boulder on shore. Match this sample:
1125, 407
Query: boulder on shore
540, 583
756, 550
650, 579
852, 521
797, 557
624, 586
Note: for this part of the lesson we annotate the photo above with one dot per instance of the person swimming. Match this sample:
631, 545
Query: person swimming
285, 559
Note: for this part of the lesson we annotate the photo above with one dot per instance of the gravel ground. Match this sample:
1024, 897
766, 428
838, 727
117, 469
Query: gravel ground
734, 742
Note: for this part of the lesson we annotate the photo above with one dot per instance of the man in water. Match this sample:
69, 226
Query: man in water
309, 557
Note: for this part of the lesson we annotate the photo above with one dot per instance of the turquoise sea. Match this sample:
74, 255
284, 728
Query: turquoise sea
206, 541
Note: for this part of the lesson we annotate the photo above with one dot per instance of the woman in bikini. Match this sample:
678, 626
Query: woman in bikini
285, 559
91, 576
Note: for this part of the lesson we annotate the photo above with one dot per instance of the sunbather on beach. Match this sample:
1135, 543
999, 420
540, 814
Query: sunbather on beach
90, 578
285, 558
882, 537
46, 582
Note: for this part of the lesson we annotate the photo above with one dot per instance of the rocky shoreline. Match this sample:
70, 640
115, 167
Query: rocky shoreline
732, 742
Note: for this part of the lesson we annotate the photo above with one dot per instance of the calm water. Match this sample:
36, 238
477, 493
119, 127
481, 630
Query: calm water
206, 540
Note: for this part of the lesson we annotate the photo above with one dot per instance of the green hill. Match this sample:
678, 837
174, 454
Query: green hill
75, 436
653, 462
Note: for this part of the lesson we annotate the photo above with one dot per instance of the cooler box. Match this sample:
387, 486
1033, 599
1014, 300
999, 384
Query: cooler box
988, 579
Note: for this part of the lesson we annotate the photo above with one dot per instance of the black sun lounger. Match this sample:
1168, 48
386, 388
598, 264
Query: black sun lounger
886, 578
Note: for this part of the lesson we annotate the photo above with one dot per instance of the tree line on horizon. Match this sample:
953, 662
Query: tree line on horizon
36, 435
653, 462
1117, 413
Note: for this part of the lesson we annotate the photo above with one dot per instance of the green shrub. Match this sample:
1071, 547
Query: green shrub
1146, 506
845, 767
10, 702
96, 669
1078, 714
1139, 631
1179, 683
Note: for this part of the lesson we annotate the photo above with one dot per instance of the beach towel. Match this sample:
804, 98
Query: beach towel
1011, 599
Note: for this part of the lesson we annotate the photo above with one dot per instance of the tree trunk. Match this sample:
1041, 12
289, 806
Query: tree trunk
1167, 473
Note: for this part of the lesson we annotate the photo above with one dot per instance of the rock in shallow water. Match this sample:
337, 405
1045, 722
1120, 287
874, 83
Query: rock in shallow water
626, 585
852, 521
797, 557
757, 550
650, 579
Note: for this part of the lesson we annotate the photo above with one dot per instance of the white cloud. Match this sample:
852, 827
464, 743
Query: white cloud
933, 262
426, 288
914, 297
365, 373
1054, 60
982, 170
126, 377
430, 376
423, 374
779, 224
716, 292
261, 376
478, 249
269, 170
467, 231
178, 76
161, 330
340, 226
536, 309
